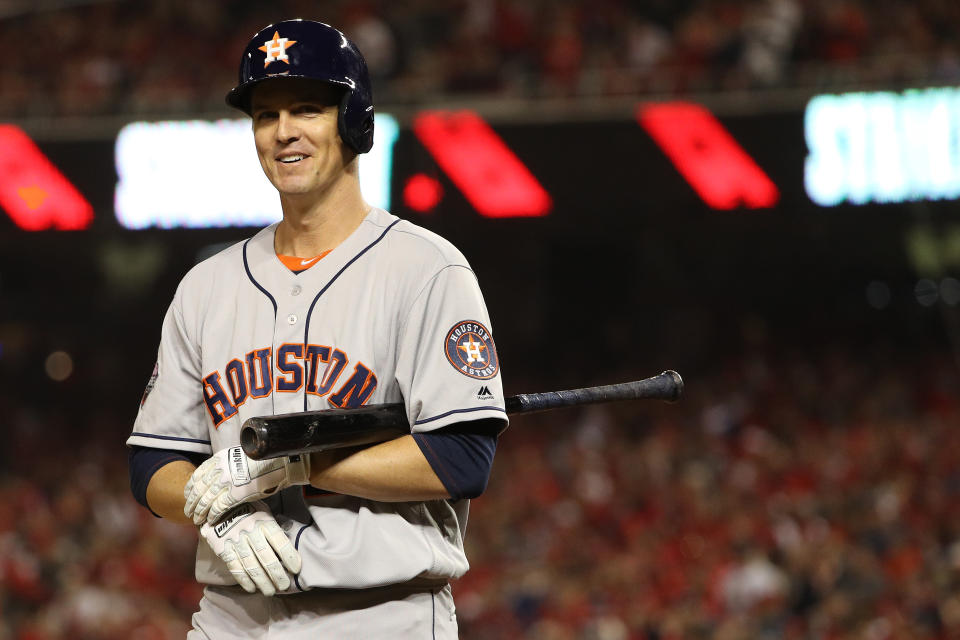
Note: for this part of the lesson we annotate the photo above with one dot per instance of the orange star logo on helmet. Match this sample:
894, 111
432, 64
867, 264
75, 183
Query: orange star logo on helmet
276, 49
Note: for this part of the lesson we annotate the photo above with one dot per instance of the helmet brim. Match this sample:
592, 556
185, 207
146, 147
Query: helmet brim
239, 97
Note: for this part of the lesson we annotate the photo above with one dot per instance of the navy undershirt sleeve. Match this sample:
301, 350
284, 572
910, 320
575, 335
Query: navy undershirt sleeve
145, 461
461, 455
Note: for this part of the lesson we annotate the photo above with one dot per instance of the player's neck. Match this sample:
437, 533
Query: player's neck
312, 226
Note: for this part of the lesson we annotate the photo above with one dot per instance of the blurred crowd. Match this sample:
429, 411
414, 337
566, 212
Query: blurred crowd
180, 56
79, 558
807, 496
803, 497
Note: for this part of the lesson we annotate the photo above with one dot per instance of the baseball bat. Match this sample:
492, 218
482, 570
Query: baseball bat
308, 431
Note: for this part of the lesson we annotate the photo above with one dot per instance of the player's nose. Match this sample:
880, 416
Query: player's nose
287, 129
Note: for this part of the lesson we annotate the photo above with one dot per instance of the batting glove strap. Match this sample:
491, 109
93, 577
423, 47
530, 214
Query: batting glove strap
298, 469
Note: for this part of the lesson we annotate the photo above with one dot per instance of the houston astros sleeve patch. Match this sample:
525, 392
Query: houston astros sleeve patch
470, 349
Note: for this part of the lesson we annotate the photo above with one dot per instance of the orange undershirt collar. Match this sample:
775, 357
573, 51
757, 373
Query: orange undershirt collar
300, 264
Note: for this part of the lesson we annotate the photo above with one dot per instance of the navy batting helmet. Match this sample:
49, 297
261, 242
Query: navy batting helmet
317, 51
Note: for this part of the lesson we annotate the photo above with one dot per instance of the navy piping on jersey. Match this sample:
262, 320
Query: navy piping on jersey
296, 545
246, 267
444, 415
306, 328
150, 435
433, 612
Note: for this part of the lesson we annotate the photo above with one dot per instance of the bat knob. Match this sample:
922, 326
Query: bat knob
677, 387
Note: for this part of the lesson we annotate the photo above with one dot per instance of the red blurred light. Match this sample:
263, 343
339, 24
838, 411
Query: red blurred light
489, 174
708, 157
33, 191
422, 193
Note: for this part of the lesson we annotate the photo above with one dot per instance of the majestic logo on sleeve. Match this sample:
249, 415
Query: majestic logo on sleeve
469, 348
276, 49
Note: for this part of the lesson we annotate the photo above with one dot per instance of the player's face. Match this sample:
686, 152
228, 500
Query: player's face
295, 130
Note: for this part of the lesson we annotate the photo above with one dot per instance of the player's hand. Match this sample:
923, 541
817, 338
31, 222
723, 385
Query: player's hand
254, 548
229, 477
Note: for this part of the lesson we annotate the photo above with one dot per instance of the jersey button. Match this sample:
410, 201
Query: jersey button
296, 290
292, 319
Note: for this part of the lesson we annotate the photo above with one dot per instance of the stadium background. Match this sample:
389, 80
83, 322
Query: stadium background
805, 487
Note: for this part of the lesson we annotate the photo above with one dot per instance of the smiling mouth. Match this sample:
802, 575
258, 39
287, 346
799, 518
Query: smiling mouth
292, 159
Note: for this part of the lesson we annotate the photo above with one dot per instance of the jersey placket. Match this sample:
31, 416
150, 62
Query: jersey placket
291, 365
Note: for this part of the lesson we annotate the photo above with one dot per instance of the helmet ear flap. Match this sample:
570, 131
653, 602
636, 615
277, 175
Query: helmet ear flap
356, 129
345, 133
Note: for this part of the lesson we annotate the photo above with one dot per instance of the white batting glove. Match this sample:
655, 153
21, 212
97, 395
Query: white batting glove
253, 546
229, 477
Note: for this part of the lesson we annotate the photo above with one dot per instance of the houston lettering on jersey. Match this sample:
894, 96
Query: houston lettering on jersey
253, 377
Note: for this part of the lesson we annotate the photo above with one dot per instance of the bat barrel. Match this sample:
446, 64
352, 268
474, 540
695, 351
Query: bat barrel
289, 434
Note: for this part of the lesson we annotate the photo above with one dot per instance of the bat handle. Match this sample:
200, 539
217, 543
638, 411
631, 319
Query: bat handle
665, 386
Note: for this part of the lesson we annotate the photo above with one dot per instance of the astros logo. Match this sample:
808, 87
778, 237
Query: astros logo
276, 49
470, 349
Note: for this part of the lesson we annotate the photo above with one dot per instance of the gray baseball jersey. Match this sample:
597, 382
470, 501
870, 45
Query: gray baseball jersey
394, 313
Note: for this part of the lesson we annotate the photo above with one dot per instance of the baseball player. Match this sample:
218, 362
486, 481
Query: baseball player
338, 305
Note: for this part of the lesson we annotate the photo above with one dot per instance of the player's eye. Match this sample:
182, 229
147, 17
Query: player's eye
263, 115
